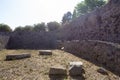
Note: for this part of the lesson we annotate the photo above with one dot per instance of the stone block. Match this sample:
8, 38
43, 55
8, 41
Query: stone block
17, 56
76, 68
58, 70
45, 52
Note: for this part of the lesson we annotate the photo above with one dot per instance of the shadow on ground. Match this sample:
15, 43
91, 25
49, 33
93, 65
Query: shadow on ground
57, 77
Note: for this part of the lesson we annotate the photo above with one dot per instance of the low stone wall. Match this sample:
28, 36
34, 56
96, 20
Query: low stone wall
103, 53
3, 41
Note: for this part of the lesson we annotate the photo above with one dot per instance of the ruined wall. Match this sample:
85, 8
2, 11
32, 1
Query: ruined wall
103, 53
32, 40
94, 36
101, 24
3, 41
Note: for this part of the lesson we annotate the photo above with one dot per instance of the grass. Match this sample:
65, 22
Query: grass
37, 67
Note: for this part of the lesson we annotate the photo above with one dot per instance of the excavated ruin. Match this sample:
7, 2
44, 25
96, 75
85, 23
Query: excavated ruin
96, 36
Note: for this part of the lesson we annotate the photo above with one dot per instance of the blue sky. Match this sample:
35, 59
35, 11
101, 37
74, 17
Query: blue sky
28, 12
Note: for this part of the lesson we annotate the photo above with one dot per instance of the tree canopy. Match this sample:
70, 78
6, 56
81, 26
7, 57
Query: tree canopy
19, 28
52, 26
26, 28
87, 6
39, 27
67, 17
5, 28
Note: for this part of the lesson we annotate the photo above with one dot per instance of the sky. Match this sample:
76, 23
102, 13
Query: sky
28, 12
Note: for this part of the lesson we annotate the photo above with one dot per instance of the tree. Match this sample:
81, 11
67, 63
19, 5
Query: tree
39, 27
52, 26
74, 15
67, 17
19, 28
5, 28
87, 6
28, 28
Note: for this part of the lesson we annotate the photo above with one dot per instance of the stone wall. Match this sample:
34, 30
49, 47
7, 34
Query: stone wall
3, 41
32, 40
101, 24
103, 53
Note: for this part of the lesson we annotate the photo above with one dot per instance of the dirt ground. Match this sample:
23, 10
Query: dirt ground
37, 67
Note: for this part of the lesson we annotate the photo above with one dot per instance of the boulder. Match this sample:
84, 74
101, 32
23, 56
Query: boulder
17, 56
58, 70
45, 52
76, 68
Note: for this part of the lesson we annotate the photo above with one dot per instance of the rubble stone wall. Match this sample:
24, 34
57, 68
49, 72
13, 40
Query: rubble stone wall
101, 52
3, 41
101, 24
32, 40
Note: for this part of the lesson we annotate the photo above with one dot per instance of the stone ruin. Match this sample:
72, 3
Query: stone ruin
101, 24
102, 53
3, 41
28, 40
96, 36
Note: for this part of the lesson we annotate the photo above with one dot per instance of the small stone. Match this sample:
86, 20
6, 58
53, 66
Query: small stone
45, 52
102, 71
58, 70
76, 68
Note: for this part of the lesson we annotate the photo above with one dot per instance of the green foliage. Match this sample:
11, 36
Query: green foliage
67, 17
87, 6
5, 28
39, 27
52, 26
28, 28
18, 28
74, 14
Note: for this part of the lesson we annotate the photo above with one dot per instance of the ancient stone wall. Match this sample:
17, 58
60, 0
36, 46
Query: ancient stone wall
103, 53
32, 40
3, 41
101, 24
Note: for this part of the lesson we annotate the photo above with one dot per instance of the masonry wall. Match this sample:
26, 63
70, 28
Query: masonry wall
96, 36
101, 24
32, 40
3, 41
103, 53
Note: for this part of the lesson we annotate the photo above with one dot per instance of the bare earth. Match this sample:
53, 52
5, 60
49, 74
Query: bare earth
37, 67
